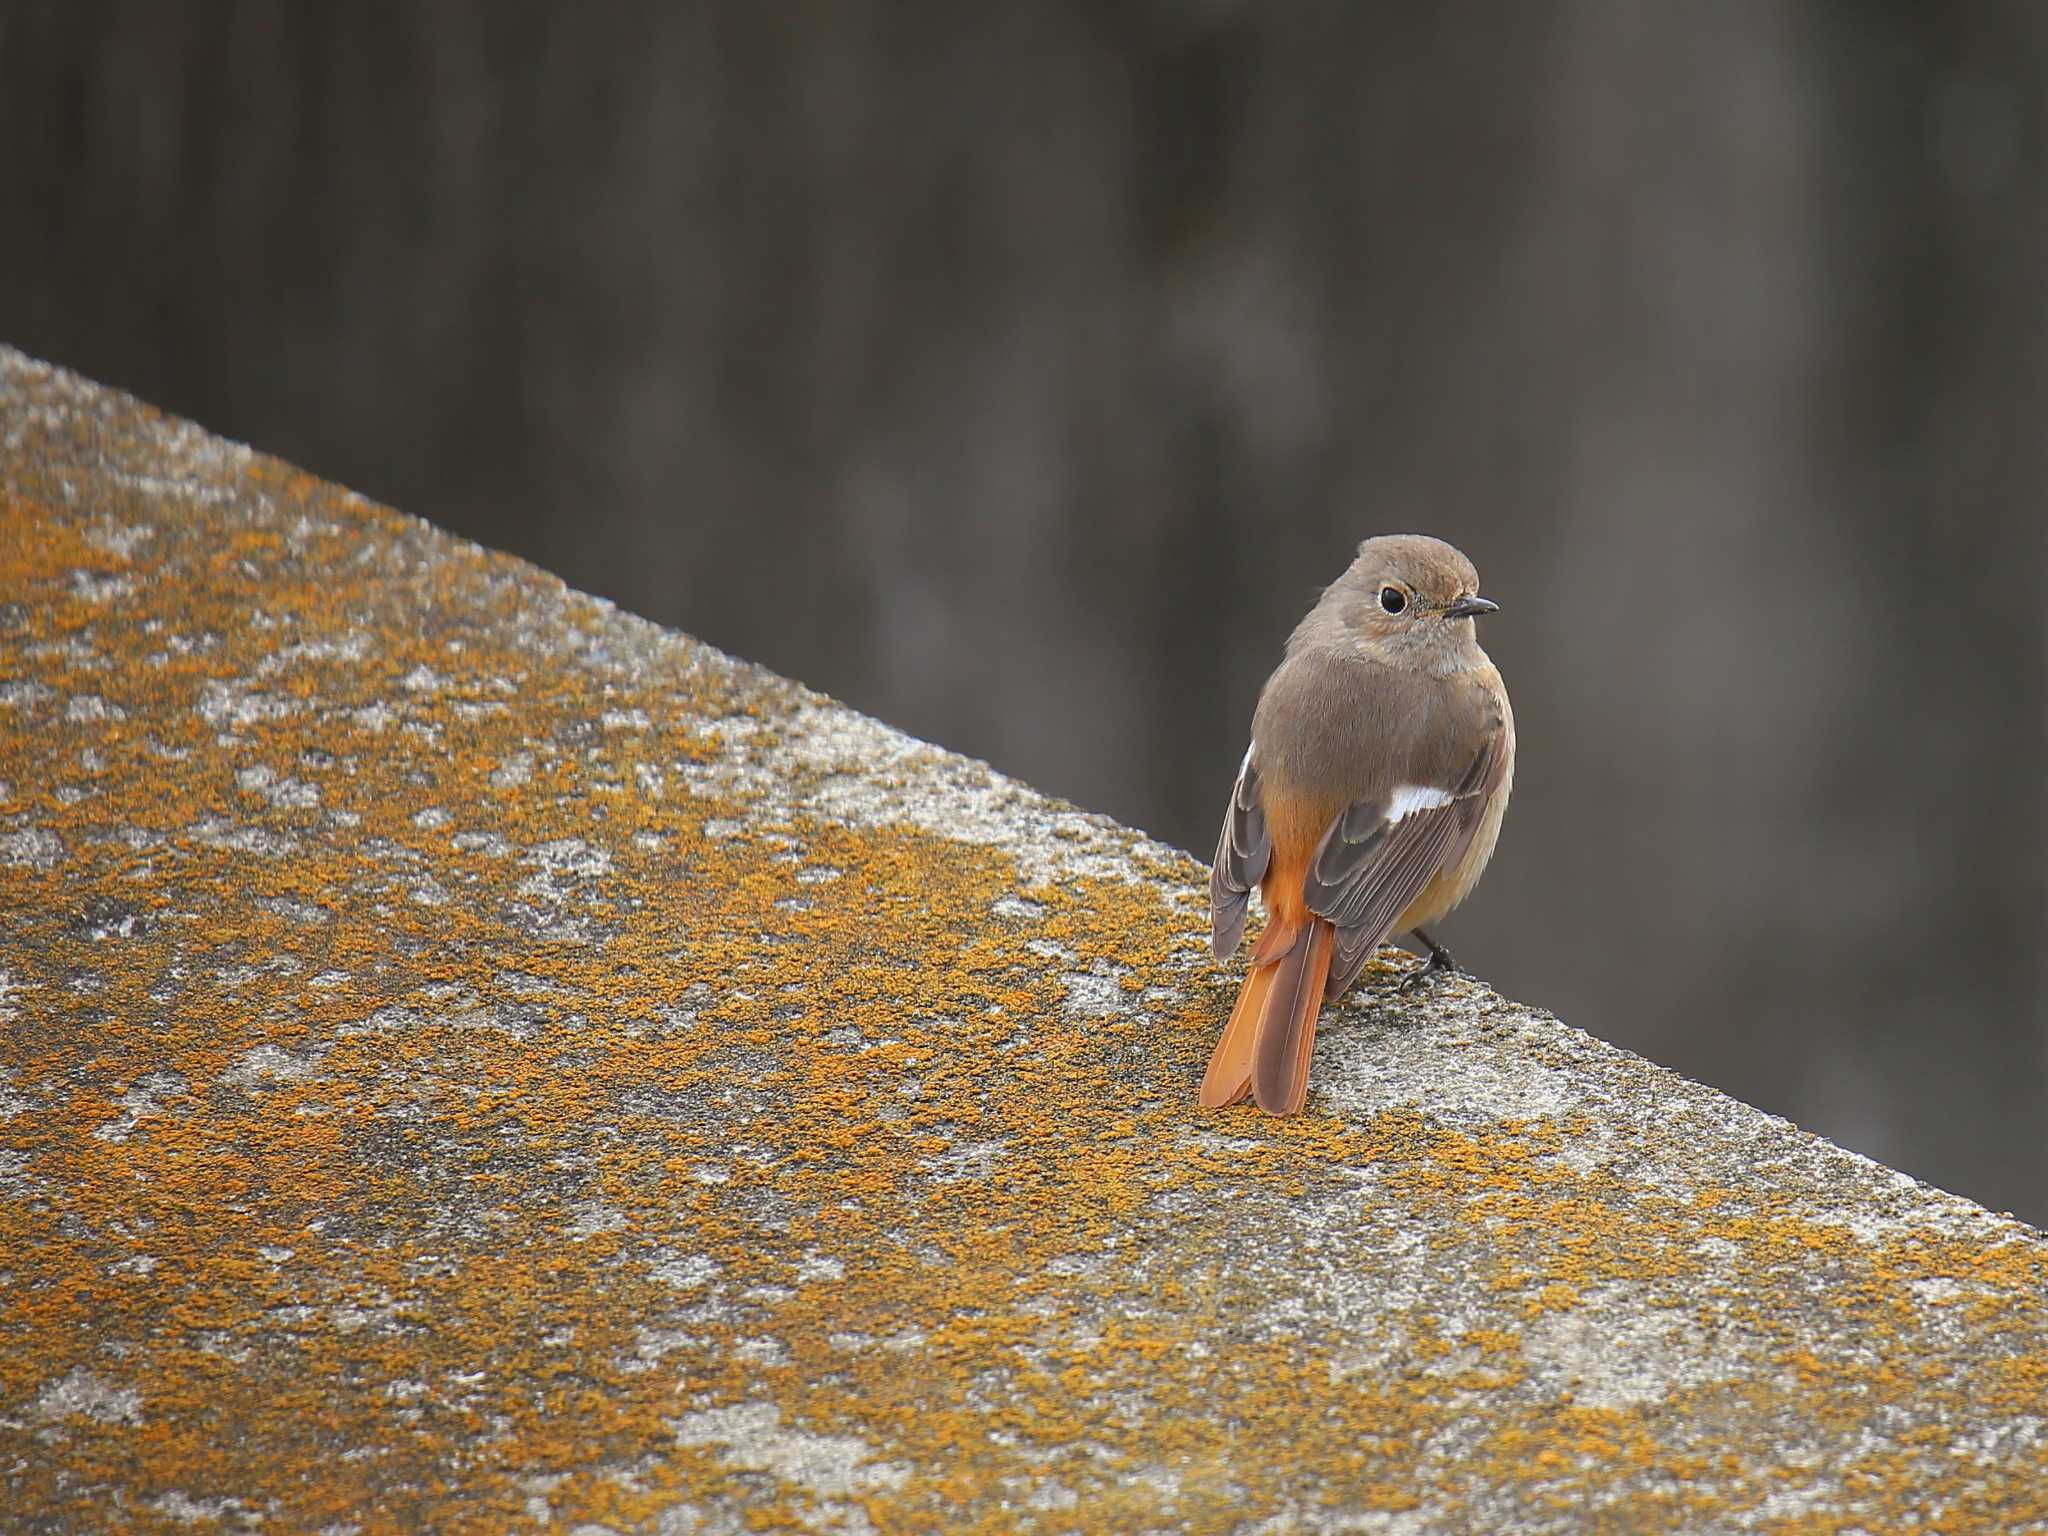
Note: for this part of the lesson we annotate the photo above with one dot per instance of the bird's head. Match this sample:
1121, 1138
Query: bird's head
1409, 599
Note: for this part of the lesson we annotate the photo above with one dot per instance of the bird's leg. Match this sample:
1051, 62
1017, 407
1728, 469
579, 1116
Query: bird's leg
1439, 961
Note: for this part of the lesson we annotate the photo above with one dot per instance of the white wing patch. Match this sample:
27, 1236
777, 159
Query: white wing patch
1407, 799
1250, 748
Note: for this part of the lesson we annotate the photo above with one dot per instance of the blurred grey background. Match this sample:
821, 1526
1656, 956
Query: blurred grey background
1019, 373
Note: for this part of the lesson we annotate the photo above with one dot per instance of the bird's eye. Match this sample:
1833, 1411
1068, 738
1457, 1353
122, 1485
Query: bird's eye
1393, 599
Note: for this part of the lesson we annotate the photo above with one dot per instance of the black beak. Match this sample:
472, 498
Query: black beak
1470, 608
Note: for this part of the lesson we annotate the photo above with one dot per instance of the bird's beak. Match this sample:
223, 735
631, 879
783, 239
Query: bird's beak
1470, 608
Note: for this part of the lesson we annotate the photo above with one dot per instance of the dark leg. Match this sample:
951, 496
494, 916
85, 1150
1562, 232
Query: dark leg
1439, 961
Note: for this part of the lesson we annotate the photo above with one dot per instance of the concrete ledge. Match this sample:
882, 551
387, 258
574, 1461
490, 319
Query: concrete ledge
473, 1060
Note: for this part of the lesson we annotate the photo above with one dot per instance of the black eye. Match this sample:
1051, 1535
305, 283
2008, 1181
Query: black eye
1393, 599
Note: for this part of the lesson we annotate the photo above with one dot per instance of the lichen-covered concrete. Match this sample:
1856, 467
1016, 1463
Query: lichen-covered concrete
473, 1061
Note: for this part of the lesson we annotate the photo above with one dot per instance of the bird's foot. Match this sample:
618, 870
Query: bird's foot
1438, 964
1427, 972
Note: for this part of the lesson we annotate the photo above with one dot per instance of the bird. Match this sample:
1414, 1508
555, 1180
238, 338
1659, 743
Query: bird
1368, 802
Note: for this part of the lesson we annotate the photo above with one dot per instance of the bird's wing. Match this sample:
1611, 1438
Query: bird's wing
1381, 852
1242, 854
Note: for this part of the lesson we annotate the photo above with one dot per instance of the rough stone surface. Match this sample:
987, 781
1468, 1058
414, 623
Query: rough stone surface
472, 1060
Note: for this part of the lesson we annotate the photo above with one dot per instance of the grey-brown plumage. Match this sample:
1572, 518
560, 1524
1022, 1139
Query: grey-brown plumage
1369, 801
1242, 854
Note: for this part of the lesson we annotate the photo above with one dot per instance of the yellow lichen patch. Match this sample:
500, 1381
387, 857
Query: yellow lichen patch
470, 1062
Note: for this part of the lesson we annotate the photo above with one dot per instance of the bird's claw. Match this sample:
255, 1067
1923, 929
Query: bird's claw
1427, 972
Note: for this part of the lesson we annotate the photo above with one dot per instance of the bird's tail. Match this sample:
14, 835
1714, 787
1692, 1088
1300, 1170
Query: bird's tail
1266, 1046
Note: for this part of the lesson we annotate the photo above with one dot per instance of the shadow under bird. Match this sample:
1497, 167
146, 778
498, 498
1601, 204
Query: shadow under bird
1382, 754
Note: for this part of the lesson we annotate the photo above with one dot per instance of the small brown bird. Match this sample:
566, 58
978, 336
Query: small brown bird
1382, 753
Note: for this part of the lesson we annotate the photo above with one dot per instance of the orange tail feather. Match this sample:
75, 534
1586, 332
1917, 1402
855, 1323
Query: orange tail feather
1229, 1077
1286, 1035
